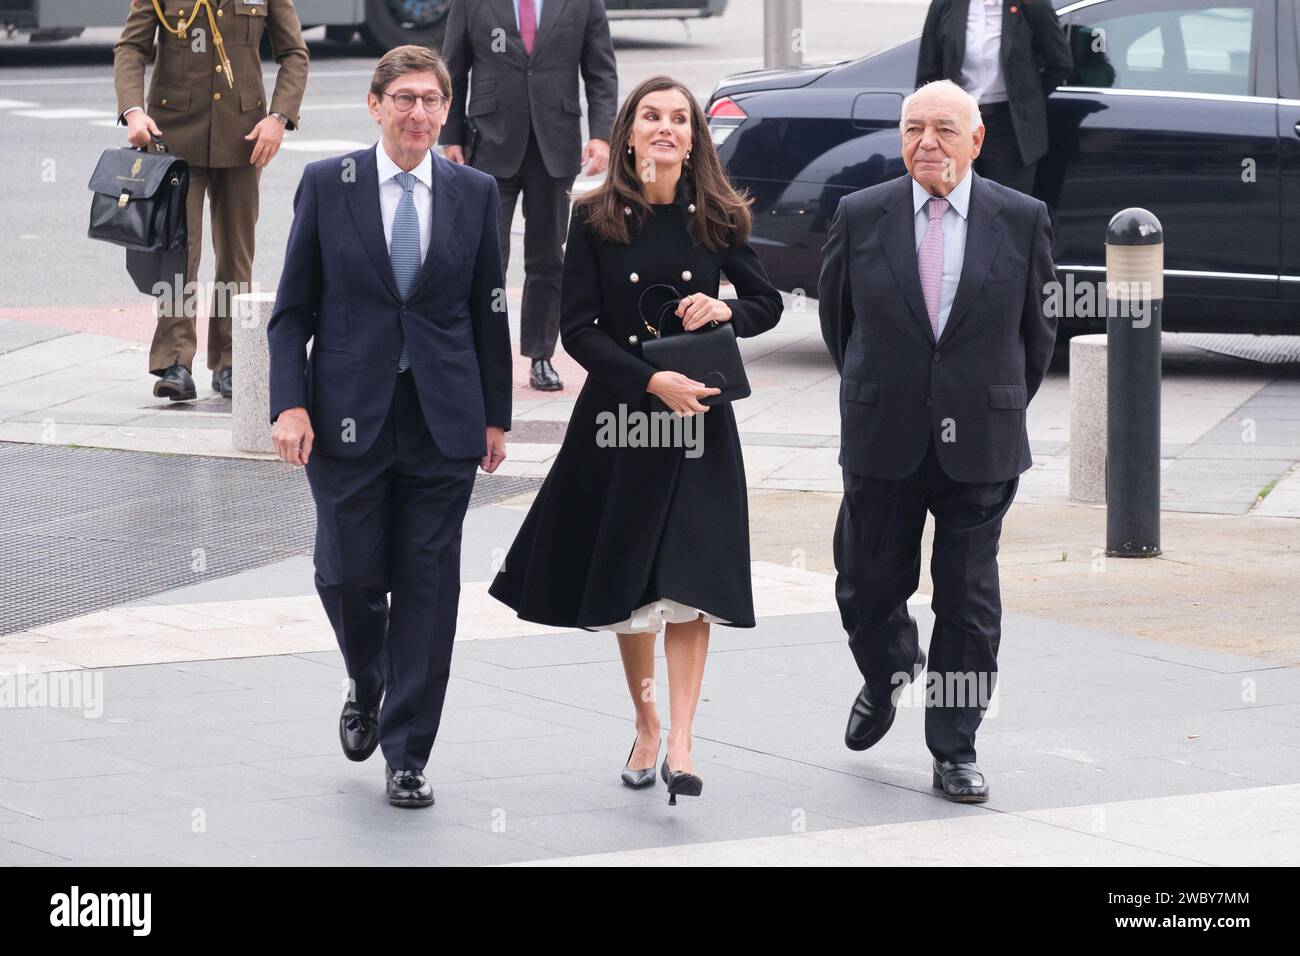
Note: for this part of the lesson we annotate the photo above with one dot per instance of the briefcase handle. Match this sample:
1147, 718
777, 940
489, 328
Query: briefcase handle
156, 141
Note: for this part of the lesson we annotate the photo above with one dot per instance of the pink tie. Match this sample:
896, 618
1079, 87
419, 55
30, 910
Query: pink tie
929, 260
527, 24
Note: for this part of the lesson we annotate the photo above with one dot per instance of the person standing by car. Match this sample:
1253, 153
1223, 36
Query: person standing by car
208, 104
525, 58
1009, 55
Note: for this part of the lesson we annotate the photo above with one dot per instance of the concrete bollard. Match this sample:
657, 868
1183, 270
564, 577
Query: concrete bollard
1088, 417
250, 403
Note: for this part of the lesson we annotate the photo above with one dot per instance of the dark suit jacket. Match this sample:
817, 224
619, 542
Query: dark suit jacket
514, 91
898, 386
1035, 60
338, 291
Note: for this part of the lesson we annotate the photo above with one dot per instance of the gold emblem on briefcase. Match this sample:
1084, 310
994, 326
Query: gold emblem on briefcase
135, 167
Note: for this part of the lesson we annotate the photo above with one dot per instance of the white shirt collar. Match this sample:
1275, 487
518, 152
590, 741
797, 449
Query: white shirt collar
388, 169
959, 198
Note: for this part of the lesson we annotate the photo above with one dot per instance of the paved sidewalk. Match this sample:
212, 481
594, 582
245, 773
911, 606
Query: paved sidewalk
205, 733
1100, 748
205, 730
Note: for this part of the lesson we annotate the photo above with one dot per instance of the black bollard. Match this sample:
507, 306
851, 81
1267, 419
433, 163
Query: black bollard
1135, 256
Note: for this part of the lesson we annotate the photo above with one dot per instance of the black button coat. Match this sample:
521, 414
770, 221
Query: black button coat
614, 528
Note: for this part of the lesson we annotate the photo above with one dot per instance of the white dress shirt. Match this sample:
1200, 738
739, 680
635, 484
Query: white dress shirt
537, 12
954, 237
981, 70
390, 194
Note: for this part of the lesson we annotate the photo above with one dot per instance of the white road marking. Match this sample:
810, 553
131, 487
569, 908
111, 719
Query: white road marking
71, 112
322, 145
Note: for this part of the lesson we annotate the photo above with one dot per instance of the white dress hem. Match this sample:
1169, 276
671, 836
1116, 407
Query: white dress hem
650, 618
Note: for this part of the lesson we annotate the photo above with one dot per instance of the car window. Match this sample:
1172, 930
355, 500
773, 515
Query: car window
1195, 46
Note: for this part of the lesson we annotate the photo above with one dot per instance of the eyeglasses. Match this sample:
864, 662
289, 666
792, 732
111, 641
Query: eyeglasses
405, 102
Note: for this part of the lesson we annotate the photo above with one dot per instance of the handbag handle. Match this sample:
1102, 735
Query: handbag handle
656, 329
661, 288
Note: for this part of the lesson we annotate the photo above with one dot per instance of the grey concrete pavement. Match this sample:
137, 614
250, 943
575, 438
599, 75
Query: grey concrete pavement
1100, 748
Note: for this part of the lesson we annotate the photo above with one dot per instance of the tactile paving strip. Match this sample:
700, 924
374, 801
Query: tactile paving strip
1268, 349
82, 529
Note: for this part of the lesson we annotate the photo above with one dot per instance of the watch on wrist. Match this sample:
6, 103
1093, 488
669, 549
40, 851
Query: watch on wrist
283, 120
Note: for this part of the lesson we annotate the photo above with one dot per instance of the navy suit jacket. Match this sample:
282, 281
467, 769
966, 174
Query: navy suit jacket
972, 387
338, 292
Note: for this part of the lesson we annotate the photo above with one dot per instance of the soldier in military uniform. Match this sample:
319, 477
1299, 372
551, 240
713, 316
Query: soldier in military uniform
207, 102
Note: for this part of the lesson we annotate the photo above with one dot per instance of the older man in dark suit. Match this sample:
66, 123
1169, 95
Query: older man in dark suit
1009, 55
522, 59
391, 273
931, 303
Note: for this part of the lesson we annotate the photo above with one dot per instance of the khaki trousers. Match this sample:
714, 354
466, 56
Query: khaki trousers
233, 197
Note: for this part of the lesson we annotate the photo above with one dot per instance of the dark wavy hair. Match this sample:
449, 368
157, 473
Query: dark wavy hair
721, 218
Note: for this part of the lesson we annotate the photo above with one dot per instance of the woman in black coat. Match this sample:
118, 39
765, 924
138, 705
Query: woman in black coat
630, 531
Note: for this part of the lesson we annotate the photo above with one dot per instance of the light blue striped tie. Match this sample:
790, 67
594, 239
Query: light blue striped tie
404, 250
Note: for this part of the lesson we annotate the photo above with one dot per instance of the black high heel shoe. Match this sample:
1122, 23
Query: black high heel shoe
679, 781
639, 779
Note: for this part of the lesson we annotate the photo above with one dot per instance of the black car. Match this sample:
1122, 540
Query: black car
1190, 108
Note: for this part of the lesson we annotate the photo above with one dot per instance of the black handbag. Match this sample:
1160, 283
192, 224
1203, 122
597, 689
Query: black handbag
711, 355
138, 202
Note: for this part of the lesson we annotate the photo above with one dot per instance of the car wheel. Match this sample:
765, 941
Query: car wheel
391, 23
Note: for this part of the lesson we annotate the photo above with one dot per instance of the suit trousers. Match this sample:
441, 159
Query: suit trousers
877, 548
999, 158
546, 223
233, 195
387, 522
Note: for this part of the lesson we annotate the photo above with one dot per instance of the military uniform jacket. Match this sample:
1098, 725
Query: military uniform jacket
203, 119
616, 527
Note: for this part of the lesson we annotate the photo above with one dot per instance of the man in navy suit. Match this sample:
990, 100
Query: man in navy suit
931, 302
393, 272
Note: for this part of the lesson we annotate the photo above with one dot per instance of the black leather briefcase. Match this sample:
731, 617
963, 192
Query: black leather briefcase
139, 199
710, 355
138, 202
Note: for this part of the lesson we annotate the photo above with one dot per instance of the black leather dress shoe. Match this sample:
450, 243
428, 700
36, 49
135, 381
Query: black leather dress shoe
358, 730
408, 788
175, 384
870, 718
221, 383
543, 377
960, 782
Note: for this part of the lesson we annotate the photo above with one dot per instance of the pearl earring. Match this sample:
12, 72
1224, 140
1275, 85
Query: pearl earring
688, 155
629, 150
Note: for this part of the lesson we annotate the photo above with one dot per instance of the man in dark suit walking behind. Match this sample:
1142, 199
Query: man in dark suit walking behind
1009, 55
931, 303
524, 58
391, 272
